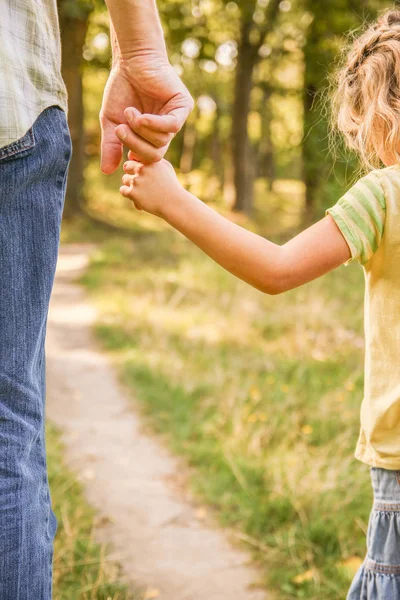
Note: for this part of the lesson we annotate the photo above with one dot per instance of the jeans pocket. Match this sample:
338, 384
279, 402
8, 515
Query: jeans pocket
18, 149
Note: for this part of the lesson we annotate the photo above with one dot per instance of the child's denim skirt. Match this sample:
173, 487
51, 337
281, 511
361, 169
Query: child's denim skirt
378, 578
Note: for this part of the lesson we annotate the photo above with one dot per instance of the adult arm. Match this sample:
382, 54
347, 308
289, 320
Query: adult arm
137, 27
145, 102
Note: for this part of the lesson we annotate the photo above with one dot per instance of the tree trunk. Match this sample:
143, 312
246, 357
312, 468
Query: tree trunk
251, 40
315, 155
189, 142
73, 34
312, 166
267, 165
217, 148
241, 155
329, 21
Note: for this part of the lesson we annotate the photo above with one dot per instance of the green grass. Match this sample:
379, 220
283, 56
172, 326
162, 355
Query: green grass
260, 394
81, 568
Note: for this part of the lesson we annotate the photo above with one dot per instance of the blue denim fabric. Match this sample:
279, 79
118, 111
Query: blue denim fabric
378, 578
33, 174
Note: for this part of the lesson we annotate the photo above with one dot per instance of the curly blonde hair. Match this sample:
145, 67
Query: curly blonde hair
366, 103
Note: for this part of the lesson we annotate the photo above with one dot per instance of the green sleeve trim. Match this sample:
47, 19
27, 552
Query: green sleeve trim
339, 216
360, 215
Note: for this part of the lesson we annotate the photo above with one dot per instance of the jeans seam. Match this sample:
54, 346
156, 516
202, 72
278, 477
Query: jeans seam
19, 146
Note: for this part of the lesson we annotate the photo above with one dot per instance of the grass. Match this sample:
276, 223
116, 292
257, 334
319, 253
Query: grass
81, 568
260, 394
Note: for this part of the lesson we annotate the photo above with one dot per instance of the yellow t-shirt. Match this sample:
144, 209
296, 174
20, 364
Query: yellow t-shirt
368, 216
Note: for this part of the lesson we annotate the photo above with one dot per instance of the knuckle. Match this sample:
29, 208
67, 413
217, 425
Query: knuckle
136, 127
164, 138
159, 154
167, 138
159, 142
176, 127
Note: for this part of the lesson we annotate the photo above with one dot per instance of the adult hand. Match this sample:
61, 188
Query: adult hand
145, 104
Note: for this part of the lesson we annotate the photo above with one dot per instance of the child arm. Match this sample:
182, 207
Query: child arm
269, 267
350, 230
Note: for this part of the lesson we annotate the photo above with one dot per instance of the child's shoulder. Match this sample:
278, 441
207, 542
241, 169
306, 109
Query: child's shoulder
372, 189
389, 180
392, 171
381, 177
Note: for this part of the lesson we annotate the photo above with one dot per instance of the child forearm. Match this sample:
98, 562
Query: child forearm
245, 254
271, 268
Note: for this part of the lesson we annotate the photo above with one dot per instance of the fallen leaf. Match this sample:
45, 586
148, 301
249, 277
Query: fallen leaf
307, 429
255, 394
306, 576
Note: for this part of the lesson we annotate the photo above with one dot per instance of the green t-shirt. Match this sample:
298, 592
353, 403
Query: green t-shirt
368, 216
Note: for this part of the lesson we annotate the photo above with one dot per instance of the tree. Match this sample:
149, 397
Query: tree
328, 24
73, 16
253, 32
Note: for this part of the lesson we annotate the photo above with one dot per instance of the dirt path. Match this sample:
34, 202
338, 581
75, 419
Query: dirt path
164, 543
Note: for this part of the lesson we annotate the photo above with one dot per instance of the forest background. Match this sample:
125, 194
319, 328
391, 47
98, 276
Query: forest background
261, 396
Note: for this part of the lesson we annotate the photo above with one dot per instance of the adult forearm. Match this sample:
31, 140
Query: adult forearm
136, 28
116, 53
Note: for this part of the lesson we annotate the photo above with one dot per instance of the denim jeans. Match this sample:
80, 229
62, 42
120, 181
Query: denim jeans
33, 175
378, 578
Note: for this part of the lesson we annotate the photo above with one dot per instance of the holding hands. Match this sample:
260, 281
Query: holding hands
145, 103
158, 105
151, 187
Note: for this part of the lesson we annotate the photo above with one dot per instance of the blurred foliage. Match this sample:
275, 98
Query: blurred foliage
324, 176
261, 397
82, 569
288, 114
77, 9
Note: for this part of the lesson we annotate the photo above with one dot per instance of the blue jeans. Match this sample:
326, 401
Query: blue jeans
378, 578
33, 175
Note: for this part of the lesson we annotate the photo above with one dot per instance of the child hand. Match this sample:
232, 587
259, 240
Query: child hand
150, 187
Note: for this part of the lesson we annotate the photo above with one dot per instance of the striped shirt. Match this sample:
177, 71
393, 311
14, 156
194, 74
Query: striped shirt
30, 65
360, 215
368, 216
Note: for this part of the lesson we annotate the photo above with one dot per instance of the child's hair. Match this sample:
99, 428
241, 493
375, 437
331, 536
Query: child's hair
366, 103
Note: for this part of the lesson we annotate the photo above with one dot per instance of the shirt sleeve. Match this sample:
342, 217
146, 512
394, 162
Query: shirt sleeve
360, 215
